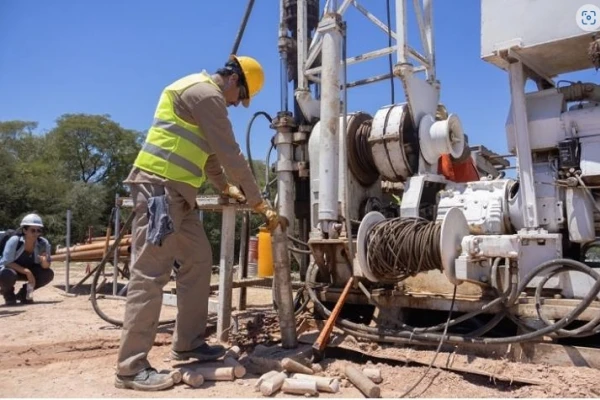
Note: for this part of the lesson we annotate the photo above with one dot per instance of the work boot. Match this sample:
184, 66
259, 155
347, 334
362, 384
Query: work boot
9, 298
146, 380
22, 295
200, 353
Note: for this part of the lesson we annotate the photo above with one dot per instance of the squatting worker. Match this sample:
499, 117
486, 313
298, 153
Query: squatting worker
191, 139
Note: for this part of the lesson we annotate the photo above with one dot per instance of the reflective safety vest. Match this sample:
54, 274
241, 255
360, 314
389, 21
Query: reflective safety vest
175, 149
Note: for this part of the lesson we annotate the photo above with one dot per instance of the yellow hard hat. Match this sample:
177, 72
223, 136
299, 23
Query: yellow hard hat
254, 76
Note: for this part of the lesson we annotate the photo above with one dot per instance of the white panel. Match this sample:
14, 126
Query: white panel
590, 156
545, 127
545, 29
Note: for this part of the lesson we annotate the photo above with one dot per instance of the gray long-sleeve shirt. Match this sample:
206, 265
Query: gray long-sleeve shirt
203, 104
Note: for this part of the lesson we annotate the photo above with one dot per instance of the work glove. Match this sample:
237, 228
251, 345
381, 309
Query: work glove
234, 192
272, 218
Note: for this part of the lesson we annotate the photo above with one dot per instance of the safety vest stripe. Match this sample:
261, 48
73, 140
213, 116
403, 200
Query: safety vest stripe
173, 158
184, 133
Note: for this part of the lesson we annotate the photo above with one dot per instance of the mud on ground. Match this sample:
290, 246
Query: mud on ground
59, 347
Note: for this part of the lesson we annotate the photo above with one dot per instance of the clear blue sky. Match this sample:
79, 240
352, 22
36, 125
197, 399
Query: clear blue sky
114, 57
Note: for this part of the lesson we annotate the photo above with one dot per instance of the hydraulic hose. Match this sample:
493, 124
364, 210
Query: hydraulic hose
582, 330
248, 131
388, 335
101, 314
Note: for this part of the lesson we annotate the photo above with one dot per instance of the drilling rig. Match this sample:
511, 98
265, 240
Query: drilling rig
382, 196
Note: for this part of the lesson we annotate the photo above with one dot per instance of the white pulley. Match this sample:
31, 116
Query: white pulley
441, 137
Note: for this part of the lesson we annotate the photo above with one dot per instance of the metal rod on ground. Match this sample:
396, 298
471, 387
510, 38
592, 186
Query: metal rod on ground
238, 38
243, 261
226, 273
116, 254
321, 342
67, 262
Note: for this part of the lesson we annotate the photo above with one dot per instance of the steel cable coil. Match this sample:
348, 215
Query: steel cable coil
402, 247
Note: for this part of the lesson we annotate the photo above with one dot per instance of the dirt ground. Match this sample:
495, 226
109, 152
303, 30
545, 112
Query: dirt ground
59, 347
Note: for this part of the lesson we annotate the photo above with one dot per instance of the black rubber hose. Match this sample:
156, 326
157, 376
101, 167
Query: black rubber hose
101, 314
100, 269
387, 335
248, 130
589, 326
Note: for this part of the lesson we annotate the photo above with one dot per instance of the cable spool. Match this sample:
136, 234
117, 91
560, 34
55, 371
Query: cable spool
360, 158
389, 251
402, 247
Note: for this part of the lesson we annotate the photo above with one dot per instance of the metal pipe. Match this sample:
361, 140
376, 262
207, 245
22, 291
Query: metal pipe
283, 56
428, 7
240, 33
284, 81
282, 282
344, 183
285, 175
317, 43
301, 37
68, 260
330, 113
283, 289
422, 30
401, 31
116, 256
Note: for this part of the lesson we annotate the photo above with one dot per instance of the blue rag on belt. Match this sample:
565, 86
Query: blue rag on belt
160, 223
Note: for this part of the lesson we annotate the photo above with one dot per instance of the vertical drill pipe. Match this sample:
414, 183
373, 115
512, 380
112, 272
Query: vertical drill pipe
282, 282
330, 114
116, 255
283, 288
283, 57
238, 38
285, 176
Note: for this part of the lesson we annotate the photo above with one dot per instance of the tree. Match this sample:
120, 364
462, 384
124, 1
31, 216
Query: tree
95, 149
87, 203
29, 173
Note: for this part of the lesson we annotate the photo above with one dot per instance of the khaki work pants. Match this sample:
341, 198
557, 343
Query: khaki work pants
150, 272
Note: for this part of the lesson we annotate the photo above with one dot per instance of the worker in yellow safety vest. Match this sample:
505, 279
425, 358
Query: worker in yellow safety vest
190, 140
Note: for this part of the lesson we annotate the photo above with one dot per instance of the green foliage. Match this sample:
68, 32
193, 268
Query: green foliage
78, 165
95, 149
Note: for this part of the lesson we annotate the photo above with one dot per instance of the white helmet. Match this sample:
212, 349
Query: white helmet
32, 220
